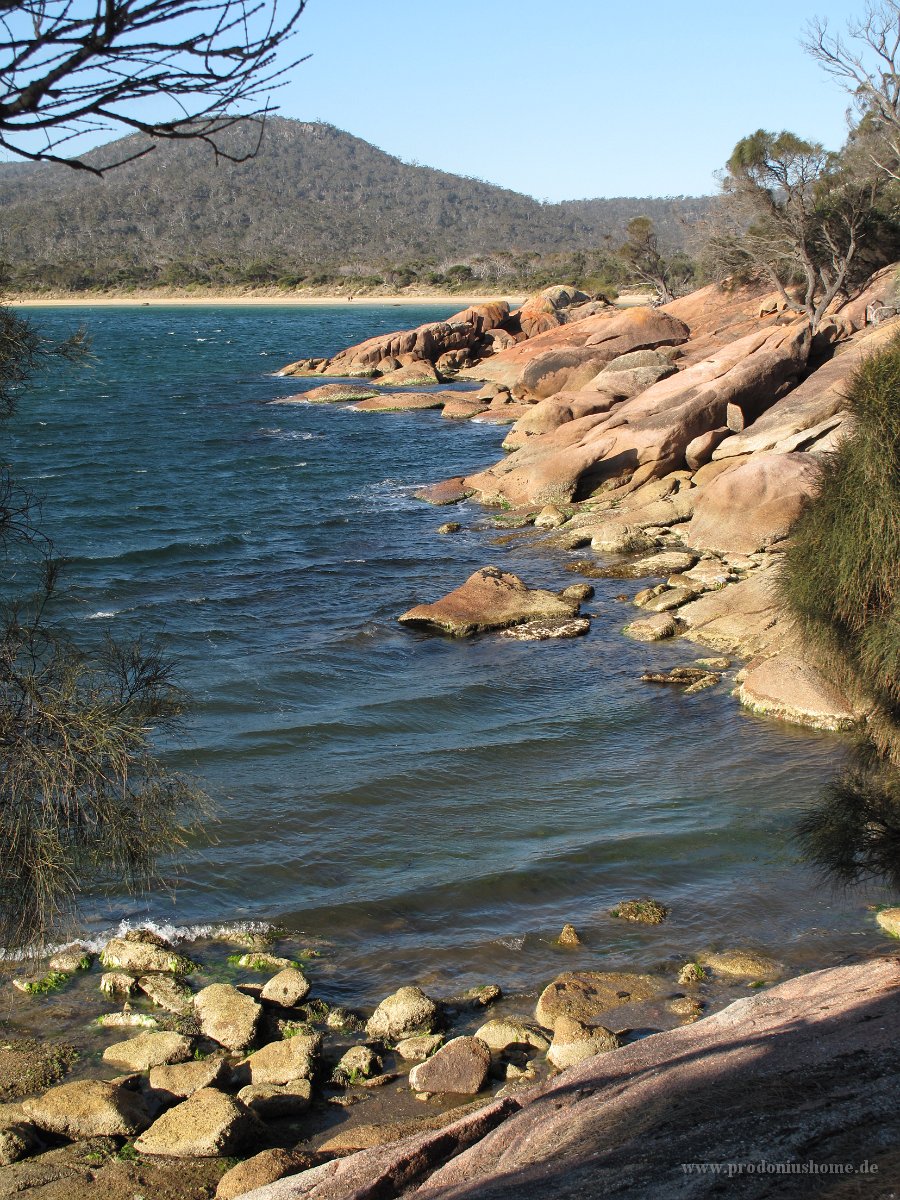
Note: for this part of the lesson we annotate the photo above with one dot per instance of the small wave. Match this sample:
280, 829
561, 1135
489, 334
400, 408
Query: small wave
511, 943
203, 931
103, 614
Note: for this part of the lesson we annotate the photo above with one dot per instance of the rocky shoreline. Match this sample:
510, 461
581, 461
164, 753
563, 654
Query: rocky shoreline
668, 446
675, 445
246, 1081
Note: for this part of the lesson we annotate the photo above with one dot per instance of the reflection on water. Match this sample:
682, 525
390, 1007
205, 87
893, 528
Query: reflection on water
853, 833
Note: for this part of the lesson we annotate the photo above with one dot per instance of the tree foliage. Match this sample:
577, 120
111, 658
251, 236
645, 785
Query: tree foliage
75, 67
866, 61
644, 260
797, 215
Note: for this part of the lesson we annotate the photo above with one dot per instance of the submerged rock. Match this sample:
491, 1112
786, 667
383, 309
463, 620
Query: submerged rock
569, 936
741, 964
585, 995
644, 912
543, 631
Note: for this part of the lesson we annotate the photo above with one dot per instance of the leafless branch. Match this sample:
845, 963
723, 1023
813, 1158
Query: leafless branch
75, 67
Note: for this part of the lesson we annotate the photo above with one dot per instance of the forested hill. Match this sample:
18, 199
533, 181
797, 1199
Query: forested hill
313, 199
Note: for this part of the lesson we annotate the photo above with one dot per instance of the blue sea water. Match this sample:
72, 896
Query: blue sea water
433, 809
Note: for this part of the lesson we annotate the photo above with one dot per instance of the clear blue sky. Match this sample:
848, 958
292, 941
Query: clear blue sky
565, 99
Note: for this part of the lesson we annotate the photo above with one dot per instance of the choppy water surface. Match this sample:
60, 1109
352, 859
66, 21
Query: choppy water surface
434, 809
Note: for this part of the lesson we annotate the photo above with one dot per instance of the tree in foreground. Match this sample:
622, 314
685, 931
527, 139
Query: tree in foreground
75, 67
84, 797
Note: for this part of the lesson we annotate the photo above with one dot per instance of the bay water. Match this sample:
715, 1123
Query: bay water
426, 809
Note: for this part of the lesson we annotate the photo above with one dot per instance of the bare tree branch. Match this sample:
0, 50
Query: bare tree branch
75, 67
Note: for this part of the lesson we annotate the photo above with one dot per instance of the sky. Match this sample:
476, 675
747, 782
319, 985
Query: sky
567, 99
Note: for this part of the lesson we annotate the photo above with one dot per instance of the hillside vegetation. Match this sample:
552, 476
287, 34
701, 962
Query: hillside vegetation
316, 205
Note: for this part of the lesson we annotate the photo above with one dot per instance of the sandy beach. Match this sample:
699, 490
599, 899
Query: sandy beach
170, 299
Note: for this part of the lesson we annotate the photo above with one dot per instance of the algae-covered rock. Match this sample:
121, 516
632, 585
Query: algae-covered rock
644, 912
143, 956
741, 964
889, 920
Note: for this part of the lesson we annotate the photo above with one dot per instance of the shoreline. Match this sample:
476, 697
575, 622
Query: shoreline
252, 299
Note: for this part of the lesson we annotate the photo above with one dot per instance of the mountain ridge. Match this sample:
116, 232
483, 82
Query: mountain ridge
314, 199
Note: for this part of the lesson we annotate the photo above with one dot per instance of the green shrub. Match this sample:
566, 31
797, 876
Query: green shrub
841, 574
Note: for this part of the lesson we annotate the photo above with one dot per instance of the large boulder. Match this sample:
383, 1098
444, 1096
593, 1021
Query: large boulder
647, 437
89, 1108
788, 687
822, 396
739, 618
753, 505
460, 1067
489, 599
208, 1124
227, 1016
404, 1012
